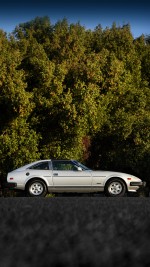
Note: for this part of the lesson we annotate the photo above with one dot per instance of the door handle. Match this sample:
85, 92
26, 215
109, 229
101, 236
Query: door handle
55, 174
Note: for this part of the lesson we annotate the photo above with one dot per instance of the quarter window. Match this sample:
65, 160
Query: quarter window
40, 166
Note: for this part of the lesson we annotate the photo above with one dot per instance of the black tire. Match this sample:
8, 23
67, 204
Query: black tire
115, 188
36, 188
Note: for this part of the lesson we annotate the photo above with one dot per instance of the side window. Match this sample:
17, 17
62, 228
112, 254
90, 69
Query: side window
40, 166
64, 165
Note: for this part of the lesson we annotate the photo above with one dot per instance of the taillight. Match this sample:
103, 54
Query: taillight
11, 178
129, 178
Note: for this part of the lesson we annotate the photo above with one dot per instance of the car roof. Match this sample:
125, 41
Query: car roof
24, 167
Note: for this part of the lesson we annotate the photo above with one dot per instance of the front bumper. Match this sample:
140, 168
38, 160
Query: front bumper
141, 184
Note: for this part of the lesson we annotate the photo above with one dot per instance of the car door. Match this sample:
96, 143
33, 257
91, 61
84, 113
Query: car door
67, 177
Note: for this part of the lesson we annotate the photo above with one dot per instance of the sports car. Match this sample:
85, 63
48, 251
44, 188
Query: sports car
39, 178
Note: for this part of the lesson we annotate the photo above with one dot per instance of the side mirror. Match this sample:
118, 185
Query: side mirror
79, 169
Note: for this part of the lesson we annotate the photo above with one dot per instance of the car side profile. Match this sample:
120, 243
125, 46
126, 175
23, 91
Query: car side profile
70, 176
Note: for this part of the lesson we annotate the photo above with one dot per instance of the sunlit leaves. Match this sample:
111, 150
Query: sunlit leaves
68, 92
18, 144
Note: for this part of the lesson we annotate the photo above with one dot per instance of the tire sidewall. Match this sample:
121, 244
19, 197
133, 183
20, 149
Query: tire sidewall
123, 191
28, 191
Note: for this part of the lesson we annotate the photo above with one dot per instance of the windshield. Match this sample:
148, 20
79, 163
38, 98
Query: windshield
82, 166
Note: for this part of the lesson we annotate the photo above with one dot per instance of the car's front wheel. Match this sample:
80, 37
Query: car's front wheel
36, 188
115, 188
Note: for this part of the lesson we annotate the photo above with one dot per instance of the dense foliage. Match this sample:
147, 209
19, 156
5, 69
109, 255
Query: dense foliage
68, 92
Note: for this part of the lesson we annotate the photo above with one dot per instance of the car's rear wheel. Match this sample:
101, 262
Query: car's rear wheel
115, 188
36, 188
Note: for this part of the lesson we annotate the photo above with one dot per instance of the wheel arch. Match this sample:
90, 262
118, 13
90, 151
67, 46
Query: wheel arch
112, 178
33, 179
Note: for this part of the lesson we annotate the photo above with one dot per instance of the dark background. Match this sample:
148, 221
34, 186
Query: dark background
74, 231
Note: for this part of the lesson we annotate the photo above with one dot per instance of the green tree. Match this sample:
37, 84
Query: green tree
75, 92
123, 142
64, 82
15, 108
142, 45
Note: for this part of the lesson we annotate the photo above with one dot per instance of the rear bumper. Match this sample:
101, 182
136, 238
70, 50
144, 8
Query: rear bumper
8, 185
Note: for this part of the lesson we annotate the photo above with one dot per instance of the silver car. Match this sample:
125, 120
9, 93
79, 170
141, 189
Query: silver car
70, 176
